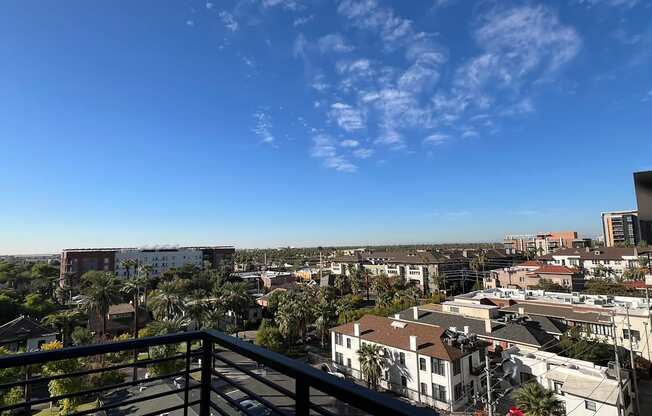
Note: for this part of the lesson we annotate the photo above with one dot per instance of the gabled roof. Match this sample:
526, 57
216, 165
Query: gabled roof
530, 333
22, 328
379, 330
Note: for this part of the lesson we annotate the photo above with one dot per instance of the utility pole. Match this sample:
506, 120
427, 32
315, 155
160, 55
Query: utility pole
631, 357
490, 405
620, 383
321, 265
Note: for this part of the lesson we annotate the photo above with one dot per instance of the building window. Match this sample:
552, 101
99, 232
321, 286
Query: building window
458, 392
348, 362
424, 388
401, 358
439, 392
557, 385
348, 343
636, 335
589, 405
339, 358
338, 338
403, 381
438, 367
422, 364
457, 368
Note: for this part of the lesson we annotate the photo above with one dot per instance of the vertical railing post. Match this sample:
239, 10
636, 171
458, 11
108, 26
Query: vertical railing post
186, 392
302, 392
206, 376
27, 393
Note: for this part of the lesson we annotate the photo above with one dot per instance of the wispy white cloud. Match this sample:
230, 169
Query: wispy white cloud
209, 5
347, 117
436, 138
263, 127
229, 21
363, 153
190, 22
325, 149
334, 42
300, 21
627, 4
286, 4
368, 14
349, 143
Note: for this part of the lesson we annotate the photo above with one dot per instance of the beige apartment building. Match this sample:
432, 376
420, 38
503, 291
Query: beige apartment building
529, 274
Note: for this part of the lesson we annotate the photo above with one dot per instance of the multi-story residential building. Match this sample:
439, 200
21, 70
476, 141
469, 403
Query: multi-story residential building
485, 322
643, 186
540, 244
529, 274
584, 388
595, 262
431, 365
597, 316
76, 262
621, 228
417, 267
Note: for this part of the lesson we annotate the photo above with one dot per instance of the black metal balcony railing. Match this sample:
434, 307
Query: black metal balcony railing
211, 361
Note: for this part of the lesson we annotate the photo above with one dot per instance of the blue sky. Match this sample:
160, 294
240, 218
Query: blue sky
288, 122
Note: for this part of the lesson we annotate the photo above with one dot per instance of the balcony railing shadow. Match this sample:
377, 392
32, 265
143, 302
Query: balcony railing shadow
194, 373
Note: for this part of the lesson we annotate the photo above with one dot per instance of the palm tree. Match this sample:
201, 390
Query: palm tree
145, 271
64, 320
236, 298
478, 264
325, 313
131, 287
166, 302
100, 290
169, 326
195, 307
535, 400
128, 264
372, 363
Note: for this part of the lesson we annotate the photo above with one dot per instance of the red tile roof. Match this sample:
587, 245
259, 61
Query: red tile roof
379, 330
554, 269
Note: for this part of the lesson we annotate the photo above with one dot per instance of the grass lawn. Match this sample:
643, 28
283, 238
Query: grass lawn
54, 410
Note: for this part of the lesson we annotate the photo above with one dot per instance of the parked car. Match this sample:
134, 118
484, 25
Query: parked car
254, 407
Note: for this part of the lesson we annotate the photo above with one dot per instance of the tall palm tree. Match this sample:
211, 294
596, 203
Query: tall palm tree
372, 363
236, 298
131, 287
166, 303
195, 307
325, 313
128, 264
145, 271
100, 291
64, 320
535, 400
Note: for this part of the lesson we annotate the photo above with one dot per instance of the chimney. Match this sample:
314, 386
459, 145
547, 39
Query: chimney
487, 326
415, 313
356, 329
413, 342
466, 329
521, 311
397, 316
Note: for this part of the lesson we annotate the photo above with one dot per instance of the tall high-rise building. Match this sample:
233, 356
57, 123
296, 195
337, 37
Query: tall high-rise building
643, 186
620, 228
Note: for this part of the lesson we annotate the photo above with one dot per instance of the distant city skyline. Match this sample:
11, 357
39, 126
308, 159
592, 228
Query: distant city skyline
266, 123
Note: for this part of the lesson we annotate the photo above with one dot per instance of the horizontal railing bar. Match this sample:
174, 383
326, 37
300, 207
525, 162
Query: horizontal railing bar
251, 394
231, 401
171, 409
128, 402
96, 370
263, 380
365, 399
354, 394
39, 357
